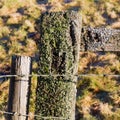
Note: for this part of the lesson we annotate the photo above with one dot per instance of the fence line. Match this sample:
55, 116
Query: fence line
60, 75
45, 75
24, 76
35, 115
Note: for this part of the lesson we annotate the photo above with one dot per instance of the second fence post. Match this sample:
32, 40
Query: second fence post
59, 48
19, 90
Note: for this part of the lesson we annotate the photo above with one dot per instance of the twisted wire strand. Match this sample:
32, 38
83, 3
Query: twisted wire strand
59, 75
35, 115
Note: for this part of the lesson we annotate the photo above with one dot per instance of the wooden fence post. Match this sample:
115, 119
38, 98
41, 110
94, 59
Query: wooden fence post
19, 90
59, 48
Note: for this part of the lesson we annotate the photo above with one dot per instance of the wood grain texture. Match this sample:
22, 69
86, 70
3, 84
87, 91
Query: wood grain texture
19, 90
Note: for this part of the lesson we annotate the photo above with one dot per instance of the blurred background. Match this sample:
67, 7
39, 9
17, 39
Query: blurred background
98, 98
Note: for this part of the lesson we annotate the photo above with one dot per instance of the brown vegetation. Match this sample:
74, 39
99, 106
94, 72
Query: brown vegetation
99, 96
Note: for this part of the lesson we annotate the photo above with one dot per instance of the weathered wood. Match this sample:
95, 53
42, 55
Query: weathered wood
58, 55
100, 39
19, 90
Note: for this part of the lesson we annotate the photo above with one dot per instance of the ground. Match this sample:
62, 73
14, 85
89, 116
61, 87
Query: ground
98, 97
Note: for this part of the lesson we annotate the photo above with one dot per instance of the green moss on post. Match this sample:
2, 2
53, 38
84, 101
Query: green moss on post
58, 55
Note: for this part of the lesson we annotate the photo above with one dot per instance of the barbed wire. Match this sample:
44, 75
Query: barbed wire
68, 77
59, 75
47, 75
35, 115
101, 75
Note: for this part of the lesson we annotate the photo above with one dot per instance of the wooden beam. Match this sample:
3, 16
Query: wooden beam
100, 39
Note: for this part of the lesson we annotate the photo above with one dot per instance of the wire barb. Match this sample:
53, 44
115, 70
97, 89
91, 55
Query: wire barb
60, 75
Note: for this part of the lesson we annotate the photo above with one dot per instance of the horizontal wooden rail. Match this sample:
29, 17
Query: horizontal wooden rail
100, 39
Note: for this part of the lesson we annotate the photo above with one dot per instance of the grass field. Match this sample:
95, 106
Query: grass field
98, 97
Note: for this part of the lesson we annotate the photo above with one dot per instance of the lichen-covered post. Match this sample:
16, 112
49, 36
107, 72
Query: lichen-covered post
100, 39
59, 47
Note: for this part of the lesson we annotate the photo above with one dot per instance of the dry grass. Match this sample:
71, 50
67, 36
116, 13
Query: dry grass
17, 24
98, 96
